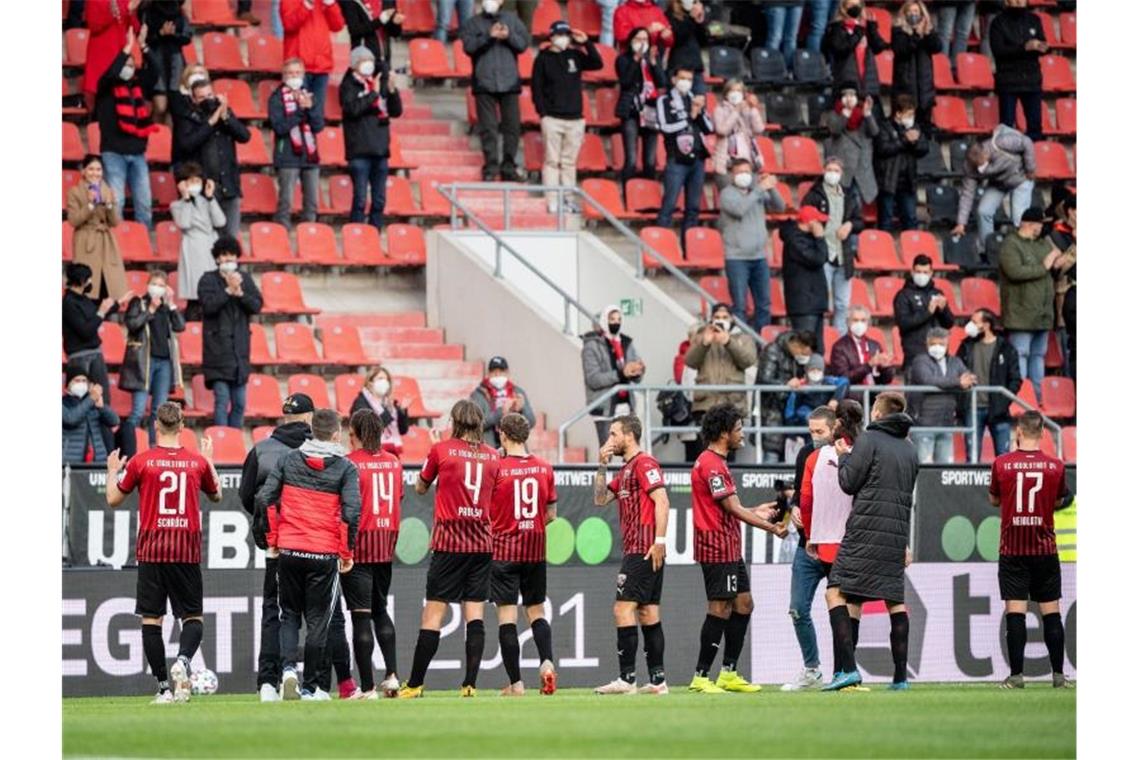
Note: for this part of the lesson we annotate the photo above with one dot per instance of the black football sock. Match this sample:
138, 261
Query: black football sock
900, 637
836, 655
509, 645
155, 649
734, 635
543, 639
654, 636
475, 638
711, 632
627, 652
854, 632
1015, 641
190, 639
1055, 641
386, 637
362, 646
841, 632
426, 645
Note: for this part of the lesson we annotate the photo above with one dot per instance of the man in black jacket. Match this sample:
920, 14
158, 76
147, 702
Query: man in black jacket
918, 307
805, 284
81, 319
683, 120
993, 360
843, 208
898, 146
295, 126
228, 297
556, 87
369, 102
1017, 42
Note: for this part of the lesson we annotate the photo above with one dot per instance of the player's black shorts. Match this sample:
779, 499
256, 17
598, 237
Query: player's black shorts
459, 577
724, 580
1031, 577
637, 582
366, 585
180, 582
509, 578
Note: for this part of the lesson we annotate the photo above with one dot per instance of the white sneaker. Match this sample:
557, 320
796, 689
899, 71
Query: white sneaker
809, 678
370, 695
289, 687
163, 698
180, 679
389, 686
617, 686
320, 695
659, 689
268, 693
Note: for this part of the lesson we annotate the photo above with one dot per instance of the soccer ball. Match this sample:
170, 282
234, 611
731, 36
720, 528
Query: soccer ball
203, 682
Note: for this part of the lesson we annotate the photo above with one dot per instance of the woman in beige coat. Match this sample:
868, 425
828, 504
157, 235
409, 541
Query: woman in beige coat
91, 211
738, 123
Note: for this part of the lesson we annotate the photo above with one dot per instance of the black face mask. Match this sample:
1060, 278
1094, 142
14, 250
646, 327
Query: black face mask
854, 11
615, 329
209, 105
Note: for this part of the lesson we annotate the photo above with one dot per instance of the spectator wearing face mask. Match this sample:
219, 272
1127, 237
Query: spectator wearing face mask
150, 368
852, 127
634, 14
738, 122
914, 42
168, 31
721, 354
87, 420
198, 215
609, 358
682, 118
782, 362
1017, 42
743, 225
374, 24
309, 28
91, 211
82, 317
937, 409
844, 211
898, 147
1025, 267
858, 358
993, 361
687, 20
851, 42
180, 104
496, 396
107, 22
918, 307
295, 126
376, 396
369, 101
1004, 165
801, 403
640, 81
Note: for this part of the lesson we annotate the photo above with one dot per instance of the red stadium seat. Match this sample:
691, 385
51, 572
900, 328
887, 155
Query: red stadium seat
259, 352
261, 432
1069, 33
1057, 75
975, 72
240, 96
1066, 116
585, 15
592, 156
281, 292
776, 260
861, 295
93, 138
1069, 442
778, 306
618, 152
120, 399
606, 107
202, 398
75, 47
330, 143
801, 156
704, 248
213, 13
429, 59
69, 178
114, 342
417, 444
159, 145
717, 287
229, 444
134, 241
462, 67
986, 113
347, 386
608, 195
885, 290
258, 194
643, 197
190, 344
263, 397
221, 52
419, 16
947, 289
72, 143
269, 243
163, 189
362, 246
137, 280
769, 333
980, 293
882, 16
1026, 394
608, 72
1058, 397
295, 344
398, 199
915, 242
68, 242
526, 65
342, 346
533, 151
943, 73
767, 150
340, 194
547, 12
950, 115
265, 55
316, 244
407, 390
885, 63
876, 251
1052, 163
664, 241
168, 239
406, 246
1054, 357
254, 153
313, 386
528, 114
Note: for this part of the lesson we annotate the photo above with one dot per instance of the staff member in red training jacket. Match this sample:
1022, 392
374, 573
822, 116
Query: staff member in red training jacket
315, 489
309, 26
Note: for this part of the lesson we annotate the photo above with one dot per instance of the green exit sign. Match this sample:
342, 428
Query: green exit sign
631, 307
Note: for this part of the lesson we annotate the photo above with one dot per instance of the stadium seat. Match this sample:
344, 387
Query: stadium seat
240, 97
462, 68
618, 151
664, 241
265, 56
229, 444
258, 193
294, 344
1057, 75
398, 198
1054, 357
281, 292
608, 73
876, 251
784, 111
592, 156
778, 306
163, 189
254, 153
1026, 395
68, 241
158, 146
915, 242
263, 397
120, 399
861, 295
259, 353
1066, 116
717, 287
830, 335
428, 59
407, 390
727, 62
1058, 397
547, 12
1069, 443
330, 143
269, 243
221, 52
801, 156
313, 386
346, 387
190, 344
73, 149
417, 443
534, 151
980, 293
69, 178
704, 248
943, 73
986, 112
75, 47
643, 197
885, 63
114, 342
810, 68
947, 289
261, 432
342, 346
950, 115
168, 241
1069, 33
526, 66
406, 246
1052, 163
585, 15
776, 260
419, 16
885, 290
975, 72
134, 241
316, 244
768, 67
137, 280
769, 333
340, 194
942, 204
528, 114
607, 194
362, 246
202, 398
605, 107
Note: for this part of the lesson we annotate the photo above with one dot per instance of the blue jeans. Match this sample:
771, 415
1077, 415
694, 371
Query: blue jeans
161, 372
443, 9
318, 84
999, 432
276, 28
954, 22
1031, 346
906, 204
229, 403
691, 177
934, 448
1020, 199
749, 275
822, 11
840, 287
123, 169
783, 24
806, 575
368, 171
607, 35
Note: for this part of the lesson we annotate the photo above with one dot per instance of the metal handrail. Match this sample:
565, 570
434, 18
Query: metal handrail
760, 429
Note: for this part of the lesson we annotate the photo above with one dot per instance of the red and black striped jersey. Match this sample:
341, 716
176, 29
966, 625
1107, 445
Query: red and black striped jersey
524, 488
381, 491
637, 478
1028, 483
717, 532
170, 521
466, 473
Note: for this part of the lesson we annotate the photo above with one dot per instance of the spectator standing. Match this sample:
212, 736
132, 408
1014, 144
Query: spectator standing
858, 358
87, 420
743, 225
606, 36
805, 281
783, 21
91, 211
295, 126
556, 88
1017, 42
373, 24
914, 42
82, 317
738, 121
955, 20
993, 361
901, 142
690, 35
609, 358
918, 307
309, 28
168, 31
640, 81
784, 361
180, 104
229, 297
820, 12
800, 403
844, 210
245, 13
209, 132
151, 368
681, 116
721, 354
376, 396
937, 409
1064, 237
524, 9
643, 14
198, 215
498, 395
369, 102
851, 42
1004, 164
1025, 266
494, 40
444, 9
107, 22
852, 127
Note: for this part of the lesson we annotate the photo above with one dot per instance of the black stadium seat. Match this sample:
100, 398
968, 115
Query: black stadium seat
768, 66
962, 252
784, 110
993, 248
933, 164
818, 105
958, 150
942, 202
808, 67
727, 63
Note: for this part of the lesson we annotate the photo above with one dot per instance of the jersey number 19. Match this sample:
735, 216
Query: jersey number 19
526, 499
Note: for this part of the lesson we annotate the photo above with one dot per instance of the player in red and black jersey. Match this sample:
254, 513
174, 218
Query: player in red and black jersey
522, 503
169, 546
643, 511
460, 569
717, 515
1027, 485
366, 585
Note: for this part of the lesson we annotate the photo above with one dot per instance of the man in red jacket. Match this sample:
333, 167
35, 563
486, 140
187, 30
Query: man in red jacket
642, 13
309, 26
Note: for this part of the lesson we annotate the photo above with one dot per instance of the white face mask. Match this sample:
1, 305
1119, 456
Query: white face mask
832, 178
859, 328
849, 102
367, 68
381, 387
815, 377
684, 86
79, 389
743, 180
499, 382
907, 123
640, 47
560, 42
687, 4
227, 266
157, 292
921, 280
937, 351
982, 167
491, 6
723, 324
972, 330
736, 97
802, 359
194, 189
126, 73
294, 83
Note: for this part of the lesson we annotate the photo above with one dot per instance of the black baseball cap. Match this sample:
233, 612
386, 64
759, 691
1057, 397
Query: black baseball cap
297, 403
1033, 214
497, 362
559, 27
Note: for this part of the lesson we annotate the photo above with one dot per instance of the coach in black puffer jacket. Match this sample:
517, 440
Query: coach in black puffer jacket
879, 472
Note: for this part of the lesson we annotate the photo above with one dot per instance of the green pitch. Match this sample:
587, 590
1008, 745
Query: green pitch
929, 721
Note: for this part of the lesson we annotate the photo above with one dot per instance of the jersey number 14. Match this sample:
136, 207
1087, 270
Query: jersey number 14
382, 492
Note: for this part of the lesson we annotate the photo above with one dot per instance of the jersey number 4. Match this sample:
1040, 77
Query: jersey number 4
526, 499
1022, 497
381, 492
172, 482
473, 479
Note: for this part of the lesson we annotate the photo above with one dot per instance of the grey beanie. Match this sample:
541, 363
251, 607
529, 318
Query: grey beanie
358, 54
815, 362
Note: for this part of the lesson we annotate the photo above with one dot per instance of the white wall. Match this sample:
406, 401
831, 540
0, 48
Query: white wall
555, 255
